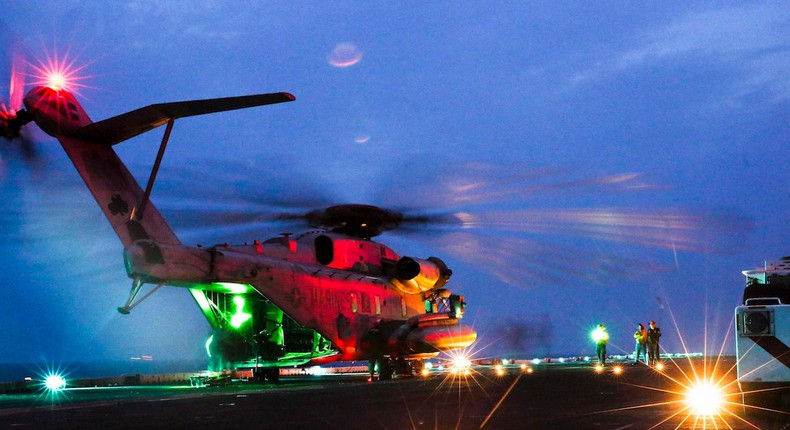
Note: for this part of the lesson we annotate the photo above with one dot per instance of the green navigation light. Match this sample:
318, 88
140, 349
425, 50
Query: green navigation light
240, 317
208, 344
232, 287
201, 300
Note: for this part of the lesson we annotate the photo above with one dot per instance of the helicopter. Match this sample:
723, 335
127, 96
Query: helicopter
331, 293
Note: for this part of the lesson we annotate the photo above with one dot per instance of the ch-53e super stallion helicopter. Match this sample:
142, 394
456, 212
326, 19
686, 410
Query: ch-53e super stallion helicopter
328, 294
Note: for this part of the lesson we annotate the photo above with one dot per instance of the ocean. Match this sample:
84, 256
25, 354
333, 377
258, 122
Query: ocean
14, 372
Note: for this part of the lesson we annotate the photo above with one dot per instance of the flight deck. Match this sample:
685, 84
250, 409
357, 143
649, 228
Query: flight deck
541, 395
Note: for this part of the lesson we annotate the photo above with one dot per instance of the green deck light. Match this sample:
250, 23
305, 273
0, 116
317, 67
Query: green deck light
54, 382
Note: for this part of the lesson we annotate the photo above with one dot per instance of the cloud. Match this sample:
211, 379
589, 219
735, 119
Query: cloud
187, 20
725, 31
752, 39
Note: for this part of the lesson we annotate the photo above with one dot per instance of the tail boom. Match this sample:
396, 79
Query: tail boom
117, 193
89, 146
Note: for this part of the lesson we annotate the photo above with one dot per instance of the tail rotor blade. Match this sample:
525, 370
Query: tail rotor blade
16, 86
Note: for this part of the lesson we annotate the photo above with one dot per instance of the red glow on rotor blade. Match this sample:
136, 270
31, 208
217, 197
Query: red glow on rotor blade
16, 87
6, 112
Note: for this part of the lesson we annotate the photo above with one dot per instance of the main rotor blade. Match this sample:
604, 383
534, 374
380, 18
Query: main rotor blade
529, 263
463, 184
663, 229
265, 187
512, 222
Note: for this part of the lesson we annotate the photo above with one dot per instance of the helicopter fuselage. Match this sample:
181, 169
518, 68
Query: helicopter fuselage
357, 288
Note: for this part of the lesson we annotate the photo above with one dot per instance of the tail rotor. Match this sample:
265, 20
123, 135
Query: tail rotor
12, 116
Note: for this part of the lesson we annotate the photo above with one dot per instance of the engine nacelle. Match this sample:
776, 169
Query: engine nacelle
416, 275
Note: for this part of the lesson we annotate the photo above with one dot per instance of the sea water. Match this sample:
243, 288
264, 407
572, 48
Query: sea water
14, 372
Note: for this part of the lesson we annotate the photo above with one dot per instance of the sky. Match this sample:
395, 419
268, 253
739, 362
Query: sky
619, 162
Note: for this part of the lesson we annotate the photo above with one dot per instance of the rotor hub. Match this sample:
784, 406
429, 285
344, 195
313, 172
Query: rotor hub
364, 221
11, 123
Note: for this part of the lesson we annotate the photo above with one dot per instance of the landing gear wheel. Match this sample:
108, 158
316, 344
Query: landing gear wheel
403, 367
417, 366
258, 374
272, 374
385, 370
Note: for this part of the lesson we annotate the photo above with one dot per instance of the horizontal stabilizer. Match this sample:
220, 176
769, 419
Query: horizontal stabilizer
125, 126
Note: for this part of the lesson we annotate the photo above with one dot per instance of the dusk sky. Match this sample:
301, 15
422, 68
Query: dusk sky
618, 162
